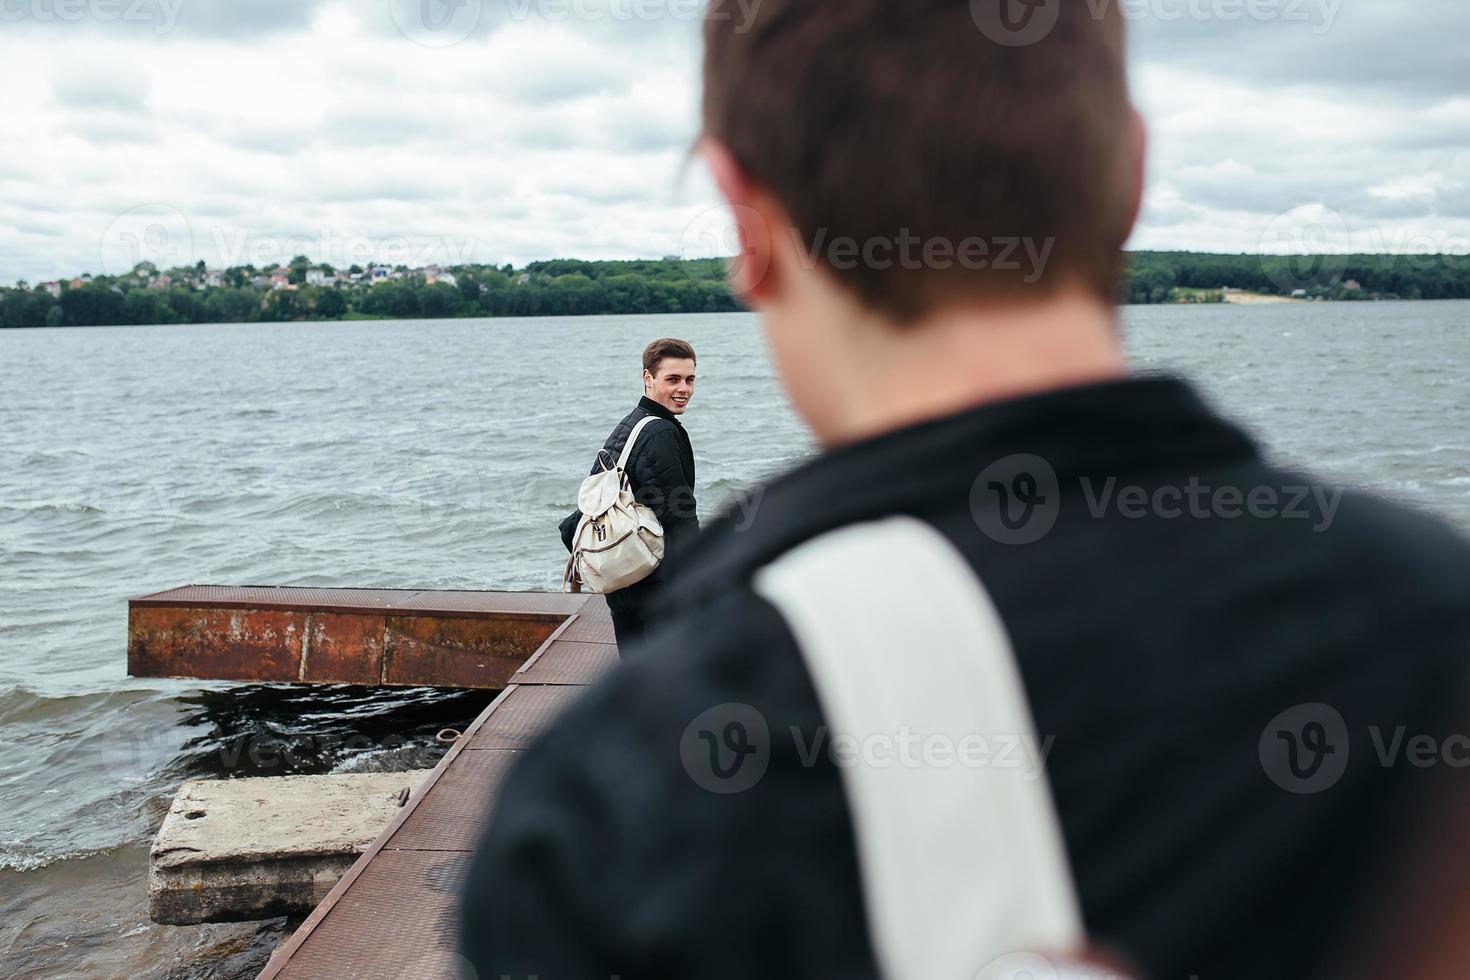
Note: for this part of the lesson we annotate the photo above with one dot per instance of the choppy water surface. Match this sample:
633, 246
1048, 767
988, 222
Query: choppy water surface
440, 455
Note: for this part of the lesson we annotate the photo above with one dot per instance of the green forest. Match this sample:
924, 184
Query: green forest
571, 287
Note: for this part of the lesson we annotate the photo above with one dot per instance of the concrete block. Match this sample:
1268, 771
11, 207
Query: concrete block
242, 849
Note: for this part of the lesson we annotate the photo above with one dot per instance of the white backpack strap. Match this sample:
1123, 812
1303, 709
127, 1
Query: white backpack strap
633, 440
958, 841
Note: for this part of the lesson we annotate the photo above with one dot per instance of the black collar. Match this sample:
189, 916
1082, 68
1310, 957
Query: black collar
654, 408
1133, 425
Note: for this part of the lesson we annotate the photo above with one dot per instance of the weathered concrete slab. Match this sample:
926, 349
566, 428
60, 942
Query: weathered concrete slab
233, 850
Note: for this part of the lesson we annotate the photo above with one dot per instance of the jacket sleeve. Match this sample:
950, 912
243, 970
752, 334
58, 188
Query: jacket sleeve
660, 482
568, 528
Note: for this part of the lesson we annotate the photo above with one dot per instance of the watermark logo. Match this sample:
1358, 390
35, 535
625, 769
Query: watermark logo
1305, 749
1019, 23
1016, 500
1199, 500
436, 23
1034, 966
1306, 247
727, 749
1015, 23
156, 233
162, 13
739, 235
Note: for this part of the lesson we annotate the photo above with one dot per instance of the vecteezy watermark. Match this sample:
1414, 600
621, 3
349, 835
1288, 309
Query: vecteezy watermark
164, 14
242, 246
741, 13
741, 236
908, 749
1306, 748
1414, 249
165, 236
1305, 247
1197, 499
1016, 23
157, 233
727, 749
440, 23
1034, 966
436, 23
1018, 499
912, 252
1019, 23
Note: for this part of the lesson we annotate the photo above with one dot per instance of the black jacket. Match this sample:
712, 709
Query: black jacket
661, 470
1157, 649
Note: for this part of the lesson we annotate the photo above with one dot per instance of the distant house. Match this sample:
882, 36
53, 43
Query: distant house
523, 278
1298, 294
435, 274
53, 287
380, 273
161, 282
280, 278
214, 278
261, 281
1352, 286
76, 283
316, 277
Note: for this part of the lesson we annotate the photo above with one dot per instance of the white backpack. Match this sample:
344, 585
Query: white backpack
619, 542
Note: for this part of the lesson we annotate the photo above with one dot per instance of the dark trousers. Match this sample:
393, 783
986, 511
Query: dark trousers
628, 625
629, 608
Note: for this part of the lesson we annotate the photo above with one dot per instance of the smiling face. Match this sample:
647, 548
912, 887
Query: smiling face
671, 384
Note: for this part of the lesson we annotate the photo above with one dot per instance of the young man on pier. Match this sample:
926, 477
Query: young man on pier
1039, 655
661, 471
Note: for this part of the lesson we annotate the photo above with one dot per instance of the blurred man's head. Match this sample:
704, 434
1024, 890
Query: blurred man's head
668, 374
908, 162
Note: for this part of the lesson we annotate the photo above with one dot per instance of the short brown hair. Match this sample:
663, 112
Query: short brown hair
661, 350
875, 120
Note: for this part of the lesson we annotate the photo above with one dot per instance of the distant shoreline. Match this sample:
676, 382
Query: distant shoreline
305, 292
1240, 299
1264, 299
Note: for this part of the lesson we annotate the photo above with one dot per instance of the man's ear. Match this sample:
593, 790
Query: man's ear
1138, 166
752, 270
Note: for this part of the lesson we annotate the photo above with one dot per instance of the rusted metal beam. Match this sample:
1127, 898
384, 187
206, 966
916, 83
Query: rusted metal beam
391, 638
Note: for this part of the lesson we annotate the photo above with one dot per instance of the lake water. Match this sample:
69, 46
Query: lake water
440, 455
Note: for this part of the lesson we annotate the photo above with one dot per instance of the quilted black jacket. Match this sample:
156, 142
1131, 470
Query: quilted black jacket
661, 470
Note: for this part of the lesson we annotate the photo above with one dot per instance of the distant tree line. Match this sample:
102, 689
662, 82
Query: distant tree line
571, 287
1174, 277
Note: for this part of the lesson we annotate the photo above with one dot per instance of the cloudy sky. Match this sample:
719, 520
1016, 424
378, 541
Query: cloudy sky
500, 131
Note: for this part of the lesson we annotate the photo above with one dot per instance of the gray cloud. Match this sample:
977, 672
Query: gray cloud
559, 127
1366, 50
119, 88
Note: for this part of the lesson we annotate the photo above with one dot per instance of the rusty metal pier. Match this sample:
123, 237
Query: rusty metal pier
393, 914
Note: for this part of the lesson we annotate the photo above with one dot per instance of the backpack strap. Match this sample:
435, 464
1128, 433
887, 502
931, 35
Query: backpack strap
962, 861
633, 440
